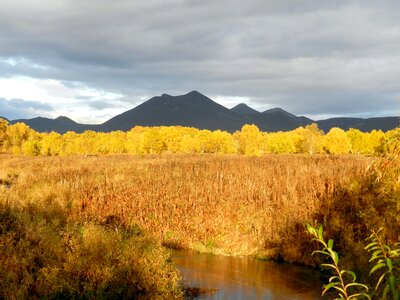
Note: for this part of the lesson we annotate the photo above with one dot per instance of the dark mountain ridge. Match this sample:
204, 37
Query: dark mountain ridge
196, 110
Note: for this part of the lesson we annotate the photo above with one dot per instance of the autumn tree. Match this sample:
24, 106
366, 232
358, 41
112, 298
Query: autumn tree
358, 141
308, 139
51, 144
250, 140
190, 144
151, 142
279, 143
3, 132
17, 134
32, 146
336, 141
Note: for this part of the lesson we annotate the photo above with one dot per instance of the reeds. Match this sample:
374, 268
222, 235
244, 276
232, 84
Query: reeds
229, 204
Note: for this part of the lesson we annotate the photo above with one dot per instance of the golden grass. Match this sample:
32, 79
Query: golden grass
224, 204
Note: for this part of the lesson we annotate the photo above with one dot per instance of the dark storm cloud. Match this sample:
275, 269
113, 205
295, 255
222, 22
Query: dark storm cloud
20, 109
310, 57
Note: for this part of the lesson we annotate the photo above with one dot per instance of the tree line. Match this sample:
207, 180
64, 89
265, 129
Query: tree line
21, 139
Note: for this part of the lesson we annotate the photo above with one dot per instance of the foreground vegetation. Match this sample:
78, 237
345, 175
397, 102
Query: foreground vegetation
383, 243
118, 210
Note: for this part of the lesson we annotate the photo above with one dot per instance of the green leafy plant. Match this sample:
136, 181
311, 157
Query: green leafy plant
387, 259
343, 281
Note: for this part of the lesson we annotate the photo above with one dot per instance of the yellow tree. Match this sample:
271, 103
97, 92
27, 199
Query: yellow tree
308, 139
336, 141
376, 141
32, 145
51, 144
151, 142
222, 142
279, 143
250, 140
358, 141
3, 132
190, 144
17, 135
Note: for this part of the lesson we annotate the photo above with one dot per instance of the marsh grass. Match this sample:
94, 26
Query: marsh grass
226, 204
230, 205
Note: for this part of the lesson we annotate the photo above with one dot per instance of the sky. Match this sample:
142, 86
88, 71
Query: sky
90, 60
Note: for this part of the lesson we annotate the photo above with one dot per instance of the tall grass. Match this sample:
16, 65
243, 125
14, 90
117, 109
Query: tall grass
228, 205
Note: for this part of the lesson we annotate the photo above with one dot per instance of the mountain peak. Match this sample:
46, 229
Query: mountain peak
195, 93
64, 119
244, 109
278, 110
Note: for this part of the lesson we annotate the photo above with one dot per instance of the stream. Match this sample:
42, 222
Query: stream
208, 276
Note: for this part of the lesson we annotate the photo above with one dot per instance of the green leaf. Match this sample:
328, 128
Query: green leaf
329, 286
389, 264
370, 245
380, 281
330, 243
358, 295
334, 287
385, 291
376, 254
357, 284
328, 266
320, 232
332, 278
335, 257
392, 283
320, 251
377, 267
352, 275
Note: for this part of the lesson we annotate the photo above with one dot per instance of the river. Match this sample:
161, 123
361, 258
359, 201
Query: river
208, 276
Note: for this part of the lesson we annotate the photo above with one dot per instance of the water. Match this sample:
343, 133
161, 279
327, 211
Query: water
222, 277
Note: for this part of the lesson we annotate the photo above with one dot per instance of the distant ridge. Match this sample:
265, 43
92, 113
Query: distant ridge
244, 109
196, 110
60, 124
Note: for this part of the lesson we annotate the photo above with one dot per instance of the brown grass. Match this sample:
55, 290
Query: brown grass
223, 204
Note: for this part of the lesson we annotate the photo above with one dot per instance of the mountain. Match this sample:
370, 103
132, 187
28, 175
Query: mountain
4, 118
60, 124
277, 119
243, 109
196, 110
192, 109
382, 123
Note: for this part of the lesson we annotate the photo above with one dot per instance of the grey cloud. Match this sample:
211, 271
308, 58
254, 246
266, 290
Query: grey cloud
20, 109
308, 56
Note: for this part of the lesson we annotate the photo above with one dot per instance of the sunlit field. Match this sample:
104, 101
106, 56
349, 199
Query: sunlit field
87, 217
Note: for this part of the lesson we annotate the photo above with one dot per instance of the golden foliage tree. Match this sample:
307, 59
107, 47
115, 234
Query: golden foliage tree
250, 140
3, 132
17, 134
336, 141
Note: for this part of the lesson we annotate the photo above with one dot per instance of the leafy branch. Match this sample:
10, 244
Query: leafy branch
388, 259
337, 281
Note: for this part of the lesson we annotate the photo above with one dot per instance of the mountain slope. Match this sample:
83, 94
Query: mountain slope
60, 124
192, 109
277, 119
243, 109
382, 123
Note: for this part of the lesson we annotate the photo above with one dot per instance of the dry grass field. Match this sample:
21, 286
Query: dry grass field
230, 205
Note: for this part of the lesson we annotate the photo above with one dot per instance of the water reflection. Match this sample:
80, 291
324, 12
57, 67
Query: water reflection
247, 278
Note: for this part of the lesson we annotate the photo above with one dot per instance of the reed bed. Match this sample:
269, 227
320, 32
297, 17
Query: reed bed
231, 205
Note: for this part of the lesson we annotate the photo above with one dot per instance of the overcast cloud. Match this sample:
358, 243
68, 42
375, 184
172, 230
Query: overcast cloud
92, 59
